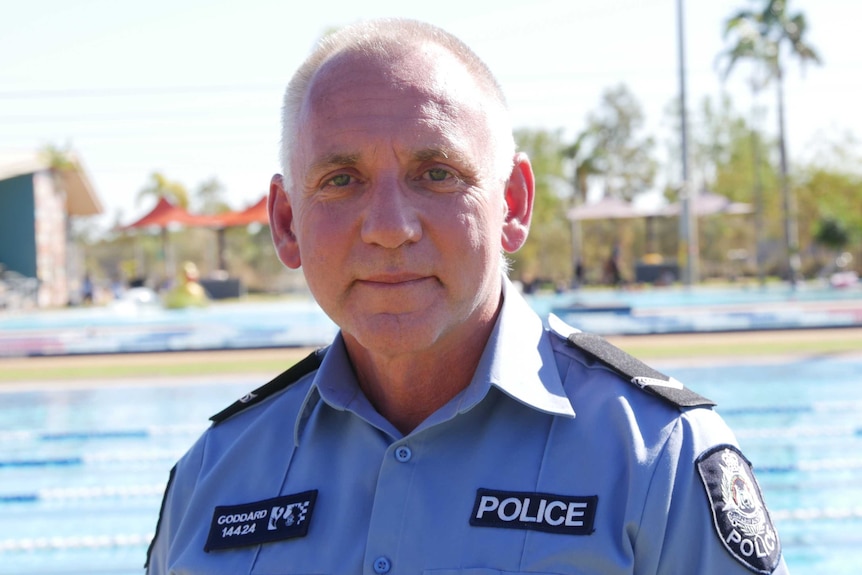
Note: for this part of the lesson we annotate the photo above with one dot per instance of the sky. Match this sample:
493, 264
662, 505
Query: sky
193, 88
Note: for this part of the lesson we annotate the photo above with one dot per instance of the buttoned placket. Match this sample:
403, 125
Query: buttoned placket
384, 532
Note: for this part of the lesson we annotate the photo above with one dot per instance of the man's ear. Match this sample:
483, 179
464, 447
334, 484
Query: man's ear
520, 193
281, 223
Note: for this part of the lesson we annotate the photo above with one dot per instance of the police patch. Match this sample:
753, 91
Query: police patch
564, 514
740, 516
261, 521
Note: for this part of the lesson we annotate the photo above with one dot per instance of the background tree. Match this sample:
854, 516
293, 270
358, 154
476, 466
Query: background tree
622, 154
546, 256
584, 157
620, 158
762, 35
159, 186
209, 197
733, 161
830, 205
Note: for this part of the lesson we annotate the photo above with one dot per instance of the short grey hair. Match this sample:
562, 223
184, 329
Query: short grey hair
389, 36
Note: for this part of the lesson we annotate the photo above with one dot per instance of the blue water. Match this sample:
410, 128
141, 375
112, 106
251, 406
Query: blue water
123, 327
82, 470
652, 297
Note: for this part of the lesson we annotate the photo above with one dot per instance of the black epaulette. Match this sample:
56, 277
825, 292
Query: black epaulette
281, 381
639, 373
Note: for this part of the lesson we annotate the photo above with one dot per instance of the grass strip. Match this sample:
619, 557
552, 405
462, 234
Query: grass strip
799, 344
146, 365
648, 351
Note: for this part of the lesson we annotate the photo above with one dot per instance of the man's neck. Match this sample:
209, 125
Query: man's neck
406, 389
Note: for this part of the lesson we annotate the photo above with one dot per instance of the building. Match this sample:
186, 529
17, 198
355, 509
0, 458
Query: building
37, 205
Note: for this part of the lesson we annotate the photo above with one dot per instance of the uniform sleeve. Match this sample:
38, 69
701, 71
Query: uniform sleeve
704, 512
178, 491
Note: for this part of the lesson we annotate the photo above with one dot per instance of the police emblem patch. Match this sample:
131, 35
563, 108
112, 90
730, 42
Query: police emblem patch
738, 511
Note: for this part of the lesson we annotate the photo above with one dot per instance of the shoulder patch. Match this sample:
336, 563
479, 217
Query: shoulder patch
637, 372
281, 381
738, 512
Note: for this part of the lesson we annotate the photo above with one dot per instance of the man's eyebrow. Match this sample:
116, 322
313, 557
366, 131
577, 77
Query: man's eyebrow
454, 156
335, 160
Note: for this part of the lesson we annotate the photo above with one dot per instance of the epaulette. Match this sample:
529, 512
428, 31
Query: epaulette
280, 382
639, 373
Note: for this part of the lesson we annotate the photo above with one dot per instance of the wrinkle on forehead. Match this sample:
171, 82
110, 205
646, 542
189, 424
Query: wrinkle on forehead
446, 99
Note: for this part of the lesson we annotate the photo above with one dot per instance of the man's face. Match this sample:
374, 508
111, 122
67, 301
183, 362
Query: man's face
395, 210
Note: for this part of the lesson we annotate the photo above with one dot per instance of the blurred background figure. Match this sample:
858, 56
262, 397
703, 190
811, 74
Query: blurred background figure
188, 292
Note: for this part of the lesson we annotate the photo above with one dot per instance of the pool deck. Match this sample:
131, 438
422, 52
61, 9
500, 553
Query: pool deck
269, 334
724, 348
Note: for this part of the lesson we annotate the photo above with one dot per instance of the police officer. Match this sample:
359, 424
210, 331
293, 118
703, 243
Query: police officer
444, 430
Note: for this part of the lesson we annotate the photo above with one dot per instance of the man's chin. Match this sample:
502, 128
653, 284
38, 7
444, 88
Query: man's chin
396, 334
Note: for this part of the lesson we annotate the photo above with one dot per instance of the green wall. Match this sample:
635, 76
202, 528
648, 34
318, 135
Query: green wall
17, 225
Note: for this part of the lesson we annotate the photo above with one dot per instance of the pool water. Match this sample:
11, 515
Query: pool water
122, 327
82, 470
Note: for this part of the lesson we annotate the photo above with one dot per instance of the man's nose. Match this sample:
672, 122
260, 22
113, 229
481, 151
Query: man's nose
391, 217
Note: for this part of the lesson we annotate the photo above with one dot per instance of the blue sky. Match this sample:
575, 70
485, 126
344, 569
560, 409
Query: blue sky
192, 88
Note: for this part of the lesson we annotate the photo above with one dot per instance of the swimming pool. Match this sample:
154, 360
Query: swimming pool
82, 470
297, 321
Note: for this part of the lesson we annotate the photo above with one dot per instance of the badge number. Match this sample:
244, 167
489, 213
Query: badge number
259, 522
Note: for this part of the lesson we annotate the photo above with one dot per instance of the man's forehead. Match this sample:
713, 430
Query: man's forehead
419, 102
425, 70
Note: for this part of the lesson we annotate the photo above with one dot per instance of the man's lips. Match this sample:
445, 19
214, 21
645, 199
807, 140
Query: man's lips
394, 280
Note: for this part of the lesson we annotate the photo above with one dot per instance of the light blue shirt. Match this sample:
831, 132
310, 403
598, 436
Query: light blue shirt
609, 472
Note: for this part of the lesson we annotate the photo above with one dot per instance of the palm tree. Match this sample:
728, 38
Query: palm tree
761, 35
161, 187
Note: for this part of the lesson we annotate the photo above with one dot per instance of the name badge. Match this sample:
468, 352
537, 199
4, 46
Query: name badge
260, 522
566, 514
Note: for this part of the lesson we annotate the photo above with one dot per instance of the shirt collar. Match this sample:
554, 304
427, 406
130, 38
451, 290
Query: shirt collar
518, 359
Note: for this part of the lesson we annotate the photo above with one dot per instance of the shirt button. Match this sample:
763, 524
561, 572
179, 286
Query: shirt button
403, 453
382, 565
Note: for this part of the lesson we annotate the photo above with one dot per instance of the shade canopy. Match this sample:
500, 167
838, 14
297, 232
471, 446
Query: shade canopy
608, 208
165, 214
257, 213
705, 203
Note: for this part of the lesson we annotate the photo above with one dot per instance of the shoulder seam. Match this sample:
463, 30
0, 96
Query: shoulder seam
637, 372
282, 381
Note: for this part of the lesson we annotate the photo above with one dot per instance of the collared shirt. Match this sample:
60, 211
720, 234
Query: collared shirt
548, 462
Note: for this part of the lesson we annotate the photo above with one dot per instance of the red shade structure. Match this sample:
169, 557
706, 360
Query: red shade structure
257, 213
165, 214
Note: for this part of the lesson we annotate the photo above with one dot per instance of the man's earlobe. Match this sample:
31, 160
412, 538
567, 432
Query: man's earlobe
520, 194
281, 223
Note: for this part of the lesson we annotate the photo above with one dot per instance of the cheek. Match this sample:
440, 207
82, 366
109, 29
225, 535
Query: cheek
473, 242
482, 223
320, 229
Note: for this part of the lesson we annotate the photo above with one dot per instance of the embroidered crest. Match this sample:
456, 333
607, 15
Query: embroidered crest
740, 516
